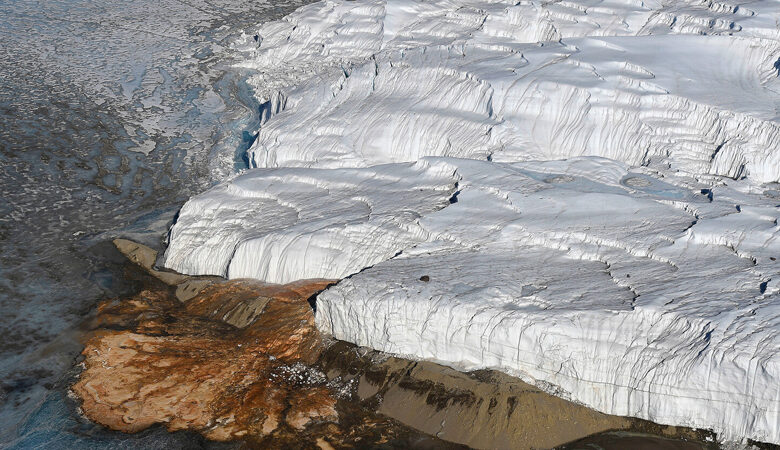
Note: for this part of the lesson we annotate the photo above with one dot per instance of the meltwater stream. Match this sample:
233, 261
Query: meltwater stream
112, 114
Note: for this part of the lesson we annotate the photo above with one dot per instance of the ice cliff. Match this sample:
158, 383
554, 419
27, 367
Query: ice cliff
289, 224
583, 194
629, 294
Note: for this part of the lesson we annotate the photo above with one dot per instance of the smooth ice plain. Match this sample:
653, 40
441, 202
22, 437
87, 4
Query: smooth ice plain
582, 194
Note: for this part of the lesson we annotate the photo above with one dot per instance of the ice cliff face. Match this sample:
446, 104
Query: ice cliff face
632, 295
284, 225
583, 194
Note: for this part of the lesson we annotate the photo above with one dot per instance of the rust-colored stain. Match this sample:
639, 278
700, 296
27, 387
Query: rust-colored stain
153, 359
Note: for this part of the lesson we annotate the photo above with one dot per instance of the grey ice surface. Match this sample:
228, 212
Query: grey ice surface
112, 113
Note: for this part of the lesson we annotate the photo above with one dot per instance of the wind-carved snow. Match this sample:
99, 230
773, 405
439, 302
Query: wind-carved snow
589, 189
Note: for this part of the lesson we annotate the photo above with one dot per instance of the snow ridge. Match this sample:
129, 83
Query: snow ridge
606, 292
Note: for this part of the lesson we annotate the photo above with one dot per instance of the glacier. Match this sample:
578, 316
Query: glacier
473, 80
583, 194
624, 292
289, 224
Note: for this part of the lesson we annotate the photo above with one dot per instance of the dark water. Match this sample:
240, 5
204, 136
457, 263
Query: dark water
112, 113
620, 440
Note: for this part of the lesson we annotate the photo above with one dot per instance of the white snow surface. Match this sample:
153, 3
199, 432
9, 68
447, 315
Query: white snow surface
590, 188
693, 85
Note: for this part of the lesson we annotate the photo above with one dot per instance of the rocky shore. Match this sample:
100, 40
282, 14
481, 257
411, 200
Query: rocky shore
243, 360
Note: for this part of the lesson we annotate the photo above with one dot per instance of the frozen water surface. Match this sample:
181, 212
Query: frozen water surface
112, 113
582, 193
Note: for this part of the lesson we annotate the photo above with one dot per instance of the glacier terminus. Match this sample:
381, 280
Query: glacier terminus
583, 194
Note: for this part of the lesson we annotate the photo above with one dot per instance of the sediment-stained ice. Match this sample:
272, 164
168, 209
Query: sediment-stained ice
581, 193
